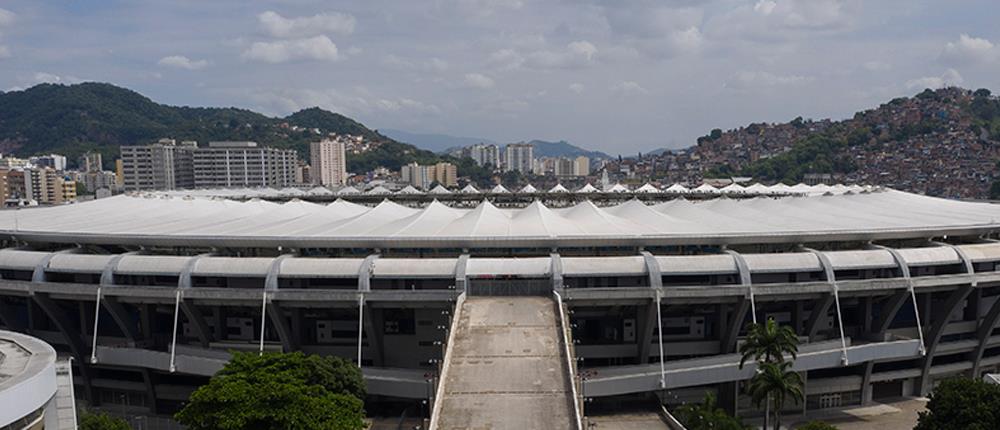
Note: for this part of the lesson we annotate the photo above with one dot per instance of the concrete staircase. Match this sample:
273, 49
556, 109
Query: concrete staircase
506, 368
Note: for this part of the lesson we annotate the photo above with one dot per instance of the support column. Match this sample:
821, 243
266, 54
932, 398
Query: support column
983, 332
273, 310
556, 271
818, 316
460, 268
955, 299
374, 327
732, 331
72, 336
648, 313
746, 281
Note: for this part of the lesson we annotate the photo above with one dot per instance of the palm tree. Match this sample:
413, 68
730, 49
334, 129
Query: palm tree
768, 343
775, 383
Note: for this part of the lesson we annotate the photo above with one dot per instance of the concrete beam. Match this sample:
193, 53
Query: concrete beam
933, 337
728, 342
986, 326
73, 338
817, 315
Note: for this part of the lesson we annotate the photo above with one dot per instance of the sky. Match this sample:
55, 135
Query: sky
616, 76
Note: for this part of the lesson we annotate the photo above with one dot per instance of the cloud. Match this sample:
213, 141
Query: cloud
182, 62
433, 64
405, 104
506, 59
49, 78
876, 66
4, 52
319, 48
784, 20
629, 88
756, 79
278, 26
577, 54
948, 78
576, 87
478, 80
6, 17
969, 50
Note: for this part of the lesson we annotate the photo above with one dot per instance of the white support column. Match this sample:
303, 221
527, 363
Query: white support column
905, 271
745, 281
659, 328
263, 318
97, 319
831, 278
361, 324
173, 340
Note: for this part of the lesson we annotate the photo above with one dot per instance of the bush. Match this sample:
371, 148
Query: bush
962, 403
279, 391
89, 420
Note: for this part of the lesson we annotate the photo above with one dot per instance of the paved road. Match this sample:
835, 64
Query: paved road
507, 368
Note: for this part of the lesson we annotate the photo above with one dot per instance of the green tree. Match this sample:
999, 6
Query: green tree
279, 391
775, 383
962, 403
707, 415
89, 420
768, 343
816, 425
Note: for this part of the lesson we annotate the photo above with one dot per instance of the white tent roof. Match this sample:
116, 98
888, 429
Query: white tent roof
706, 188
733, 188
617, 188
440, 189
499, 189
588, 189
142, 220
320, 191
757, 188
529, 189
469, 189
677, 188
409, 189
347, 190
558, 189
647, 188
378, 190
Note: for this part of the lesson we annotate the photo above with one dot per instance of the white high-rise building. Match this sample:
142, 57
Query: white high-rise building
519, 157
484, 154
328, 162
581, 166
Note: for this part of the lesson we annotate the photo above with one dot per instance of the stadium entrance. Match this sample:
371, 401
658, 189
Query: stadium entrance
509, 287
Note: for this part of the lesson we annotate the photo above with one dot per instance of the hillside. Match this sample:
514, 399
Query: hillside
440, 143
563, 148
943, 143
73, 119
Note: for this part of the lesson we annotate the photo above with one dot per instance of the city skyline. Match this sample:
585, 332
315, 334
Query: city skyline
662, 73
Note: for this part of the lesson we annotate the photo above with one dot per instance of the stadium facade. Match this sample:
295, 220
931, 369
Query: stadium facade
888, 291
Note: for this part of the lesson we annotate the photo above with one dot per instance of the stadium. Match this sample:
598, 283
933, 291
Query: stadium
889, 292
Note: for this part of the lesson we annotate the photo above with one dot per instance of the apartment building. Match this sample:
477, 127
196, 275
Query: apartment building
328, 162
243, 164
164, 165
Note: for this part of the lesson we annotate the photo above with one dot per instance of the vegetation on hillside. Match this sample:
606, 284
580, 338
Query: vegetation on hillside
74, 119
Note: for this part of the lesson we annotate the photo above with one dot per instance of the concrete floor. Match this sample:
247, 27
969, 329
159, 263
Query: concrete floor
898, 414
507, 368
628, 421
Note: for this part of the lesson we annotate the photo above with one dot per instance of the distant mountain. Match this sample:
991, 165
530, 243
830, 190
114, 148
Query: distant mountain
73, 119
563, 149
440, 143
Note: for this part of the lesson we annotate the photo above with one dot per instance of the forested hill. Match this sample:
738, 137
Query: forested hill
943, 142
73, 119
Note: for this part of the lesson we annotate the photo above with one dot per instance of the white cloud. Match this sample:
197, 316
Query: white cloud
432, 65
969, 49
319, 48
4, 52
629, 88
408, 105
506, 59
784, 20
478, 80
50, 78
578, 54
182, 62
576, 87
948, 78
876, 66
756, 79
278, 26
688, 40
6, 17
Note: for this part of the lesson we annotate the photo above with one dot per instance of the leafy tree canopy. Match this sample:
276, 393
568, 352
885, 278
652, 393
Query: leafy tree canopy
279, 391
100, 421
962, 403
816, 425
707, 415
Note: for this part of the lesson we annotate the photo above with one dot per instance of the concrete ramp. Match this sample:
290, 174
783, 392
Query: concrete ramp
507, 369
